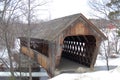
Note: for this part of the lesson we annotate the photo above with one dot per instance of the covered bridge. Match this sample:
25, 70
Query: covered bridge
64, 44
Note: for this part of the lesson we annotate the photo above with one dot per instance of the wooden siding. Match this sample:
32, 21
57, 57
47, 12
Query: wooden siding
81, 29
78, 31
40, 58
27, 52
74, 30
43, 61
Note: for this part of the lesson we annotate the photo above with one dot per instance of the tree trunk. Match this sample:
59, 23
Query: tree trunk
10, 56
30, 70
20, 65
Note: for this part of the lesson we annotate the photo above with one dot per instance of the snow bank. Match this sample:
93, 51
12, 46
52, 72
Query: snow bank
113, 74
98, 75
112, 61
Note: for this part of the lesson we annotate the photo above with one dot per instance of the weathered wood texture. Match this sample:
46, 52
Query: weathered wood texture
78, 33
40, 58
74, 37
36, 44
41, 51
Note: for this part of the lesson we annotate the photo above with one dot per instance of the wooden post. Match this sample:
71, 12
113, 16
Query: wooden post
51, 58
58, 53
95, 54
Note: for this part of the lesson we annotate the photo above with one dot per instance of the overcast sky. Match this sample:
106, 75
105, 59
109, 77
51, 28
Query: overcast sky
60, 8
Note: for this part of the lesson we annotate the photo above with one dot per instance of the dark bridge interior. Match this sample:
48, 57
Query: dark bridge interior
39, 45
79, 49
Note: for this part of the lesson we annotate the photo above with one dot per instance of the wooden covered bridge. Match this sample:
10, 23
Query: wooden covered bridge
64, 44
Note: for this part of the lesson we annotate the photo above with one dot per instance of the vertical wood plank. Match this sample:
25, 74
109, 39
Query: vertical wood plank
51, 59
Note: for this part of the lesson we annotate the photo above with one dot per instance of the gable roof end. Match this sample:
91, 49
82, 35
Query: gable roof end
51, 29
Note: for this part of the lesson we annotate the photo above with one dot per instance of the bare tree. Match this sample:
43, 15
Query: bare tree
28, 10
107, 10
9, 8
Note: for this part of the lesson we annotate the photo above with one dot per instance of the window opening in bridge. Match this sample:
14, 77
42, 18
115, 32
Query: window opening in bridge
79, 49
39, 45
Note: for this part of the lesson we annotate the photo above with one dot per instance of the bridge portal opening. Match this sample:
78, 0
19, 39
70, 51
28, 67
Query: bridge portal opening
79, 49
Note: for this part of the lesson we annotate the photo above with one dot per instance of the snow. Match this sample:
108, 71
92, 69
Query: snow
3, 53
112, 61
113, 74
113, 42
98, 75
17, 45
24, 74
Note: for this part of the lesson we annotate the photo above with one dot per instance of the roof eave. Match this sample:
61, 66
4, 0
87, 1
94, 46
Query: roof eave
95, 28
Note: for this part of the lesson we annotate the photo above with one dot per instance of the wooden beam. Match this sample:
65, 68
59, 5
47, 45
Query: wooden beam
41, 59
26, 51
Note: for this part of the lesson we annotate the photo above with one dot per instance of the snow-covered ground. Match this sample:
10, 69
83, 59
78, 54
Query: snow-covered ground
101, 73
112, 61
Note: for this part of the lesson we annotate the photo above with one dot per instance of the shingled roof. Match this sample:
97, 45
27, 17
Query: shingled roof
51, 29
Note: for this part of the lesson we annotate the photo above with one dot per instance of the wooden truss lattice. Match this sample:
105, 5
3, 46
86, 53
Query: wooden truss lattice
79, 49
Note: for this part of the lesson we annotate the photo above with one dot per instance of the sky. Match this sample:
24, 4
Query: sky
60, 8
